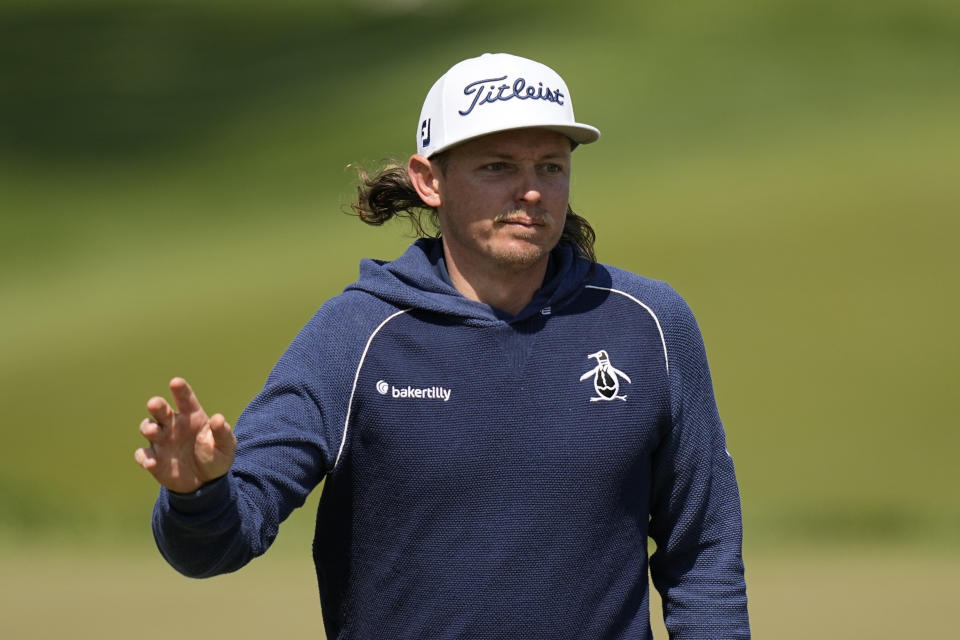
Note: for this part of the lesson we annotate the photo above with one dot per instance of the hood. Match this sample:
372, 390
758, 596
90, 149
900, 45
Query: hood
419, 280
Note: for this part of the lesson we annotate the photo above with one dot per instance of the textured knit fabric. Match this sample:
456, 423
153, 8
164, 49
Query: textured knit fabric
488, 476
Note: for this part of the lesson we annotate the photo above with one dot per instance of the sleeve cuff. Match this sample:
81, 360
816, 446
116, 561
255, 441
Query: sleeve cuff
205, 499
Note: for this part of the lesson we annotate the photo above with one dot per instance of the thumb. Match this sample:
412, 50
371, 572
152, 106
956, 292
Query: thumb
223, 435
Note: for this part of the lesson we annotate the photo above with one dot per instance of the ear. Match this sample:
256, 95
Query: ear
425, 178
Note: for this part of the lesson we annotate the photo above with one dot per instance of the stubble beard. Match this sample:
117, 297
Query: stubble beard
523, 250
509, 250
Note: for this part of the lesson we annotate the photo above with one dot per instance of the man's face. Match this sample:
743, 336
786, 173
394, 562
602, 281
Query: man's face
504, 199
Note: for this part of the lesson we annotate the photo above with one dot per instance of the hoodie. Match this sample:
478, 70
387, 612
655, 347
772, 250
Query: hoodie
487, 475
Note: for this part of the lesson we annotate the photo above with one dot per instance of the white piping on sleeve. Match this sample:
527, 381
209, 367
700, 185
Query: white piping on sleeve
356, 376
666, 357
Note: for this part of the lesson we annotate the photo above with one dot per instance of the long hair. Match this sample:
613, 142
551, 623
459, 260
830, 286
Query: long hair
389, 193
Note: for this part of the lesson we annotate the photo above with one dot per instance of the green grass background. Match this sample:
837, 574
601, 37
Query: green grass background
172, 181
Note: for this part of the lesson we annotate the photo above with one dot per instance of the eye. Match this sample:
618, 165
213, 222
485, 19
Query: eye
495, 166
552, 167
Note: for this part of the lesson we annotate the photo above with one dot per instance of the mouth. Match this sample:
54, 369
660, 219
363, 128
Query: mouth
520, 220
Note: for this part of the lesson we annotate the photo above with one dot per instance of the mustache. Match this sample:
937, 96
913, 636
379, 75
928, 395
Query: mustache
519, 215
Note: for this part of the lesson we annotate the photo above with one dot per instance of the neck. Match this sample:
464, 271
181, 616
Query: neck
508, 288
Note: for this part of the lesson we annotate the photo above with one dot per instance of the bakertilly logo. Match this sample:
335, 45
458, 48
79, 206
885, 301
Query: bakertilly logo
384, 388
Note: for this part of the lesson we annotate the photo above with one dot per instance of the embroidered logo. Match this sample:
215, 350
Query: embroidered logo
606, 378
425, 133
519, 89
420, 393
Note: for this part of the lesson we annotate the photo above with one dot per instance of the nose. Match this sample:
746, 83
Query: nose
528, 187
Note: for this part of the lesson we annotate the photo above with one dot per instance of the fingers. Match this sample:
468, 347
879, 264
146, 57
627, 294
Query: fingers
161, 411
145, 457
150, 430
184, 397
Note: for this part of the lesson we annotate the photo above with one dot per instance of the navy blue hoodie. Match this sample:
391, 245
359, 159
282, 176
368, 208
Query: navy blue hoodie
486, 475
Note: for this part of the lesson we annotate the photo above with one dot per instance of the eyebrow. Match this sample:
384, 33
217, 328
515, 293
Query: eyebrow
500, 155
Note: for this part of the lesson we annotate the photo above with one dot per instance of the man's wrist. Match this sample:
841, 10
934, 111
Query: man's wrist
203, 499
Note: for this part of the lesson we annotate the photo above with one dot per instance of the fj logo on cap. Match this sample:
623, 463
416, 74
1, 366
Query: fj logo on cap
606, 379
425, 133
505, 92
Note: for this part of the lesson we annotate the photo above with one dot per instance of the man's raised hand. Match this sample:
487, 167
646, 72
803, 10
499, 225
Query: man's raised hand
187, 448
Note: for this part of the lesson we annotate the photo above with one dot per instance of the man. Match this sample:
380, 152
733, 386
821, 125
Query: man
501, 421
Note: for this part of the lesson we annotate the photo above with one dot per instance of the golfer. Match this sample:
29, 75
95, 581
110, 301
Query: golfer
500, 420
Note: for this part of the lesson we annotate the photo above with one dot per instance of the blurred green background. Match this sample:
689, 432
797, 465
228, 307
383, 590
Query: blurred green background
173, 177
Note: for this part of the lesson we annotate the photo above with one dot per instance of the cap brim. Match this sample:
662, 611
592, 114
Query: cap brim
577, 132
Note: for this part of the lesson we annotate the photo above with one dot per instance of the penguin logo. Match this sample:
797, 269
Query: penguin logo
606, 379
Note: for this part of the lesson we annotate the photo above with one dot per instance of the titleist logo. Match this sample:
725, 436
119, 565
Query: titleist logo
483, 94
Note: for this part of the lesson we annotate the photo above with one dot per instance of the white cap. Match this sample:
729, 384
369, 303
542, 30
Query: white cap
496, 92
